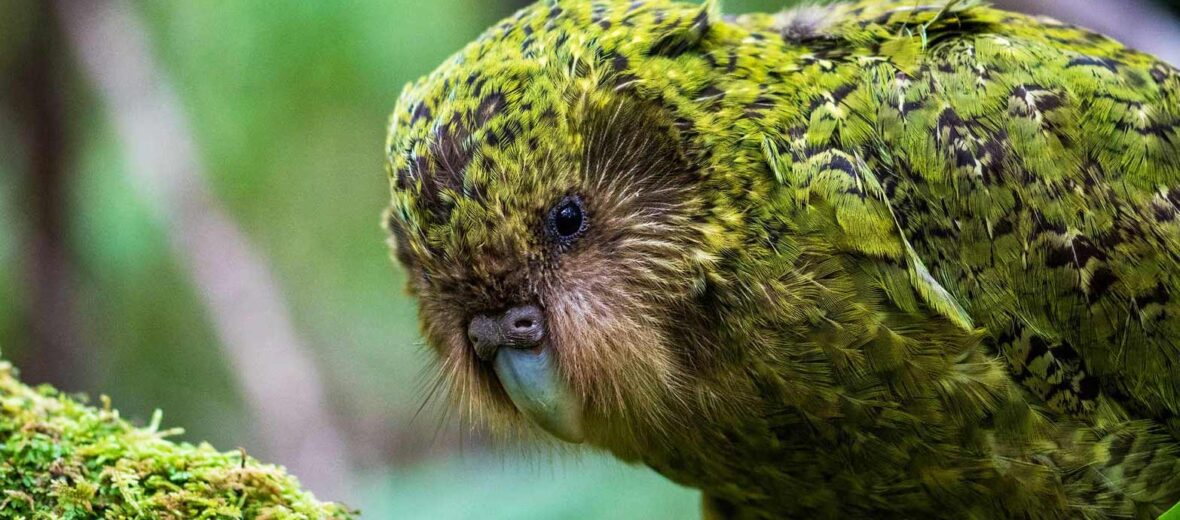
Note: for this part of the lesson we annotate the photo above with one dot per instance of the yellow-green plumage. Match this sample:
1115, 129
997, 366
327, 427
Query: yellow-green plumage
878, 258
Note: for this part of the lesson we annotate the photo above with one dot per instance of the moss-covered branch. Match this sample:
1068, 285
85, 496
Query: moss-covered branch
62, 459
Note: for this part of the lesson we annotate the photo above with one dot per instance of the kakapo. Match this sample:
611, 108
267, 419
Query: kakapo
880, 258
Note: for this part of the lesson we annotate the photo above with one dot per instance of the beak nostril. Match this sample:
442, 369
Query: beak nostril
485, 336
518, 327
524, 326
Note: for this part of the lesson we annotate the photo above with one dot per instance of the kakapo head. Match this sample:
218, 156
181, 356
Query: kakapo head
554, 205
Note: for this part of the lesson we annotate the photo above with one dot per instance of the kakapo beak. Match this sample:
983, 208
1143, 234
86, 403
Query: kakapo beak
533, 383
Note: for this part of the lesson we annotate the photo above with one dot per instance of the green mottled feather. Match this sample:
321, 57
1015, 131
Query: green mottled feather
935, 246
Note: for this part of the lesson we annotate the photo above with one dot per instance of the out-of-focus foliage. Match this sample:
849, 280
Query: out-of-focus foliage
542, 489
1172, 514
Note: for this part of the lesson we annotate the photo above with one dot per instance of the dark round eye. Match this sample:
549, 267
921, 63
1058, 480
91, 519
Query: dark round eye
567, 219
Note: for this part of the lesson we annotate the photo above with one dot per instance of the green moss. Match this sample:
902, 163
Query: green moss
62, 459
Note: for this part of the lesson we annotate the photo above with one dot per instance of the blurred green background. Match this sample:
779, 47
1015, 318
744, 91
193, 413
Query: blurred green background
286, 105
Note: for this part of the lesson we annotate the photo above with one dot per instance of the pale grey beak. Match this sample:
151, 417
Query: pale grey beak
532, 381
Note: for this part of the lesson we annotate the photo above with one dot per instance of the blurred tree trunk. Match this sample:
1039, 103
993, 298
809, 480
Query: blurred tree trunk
54, 352
274, 368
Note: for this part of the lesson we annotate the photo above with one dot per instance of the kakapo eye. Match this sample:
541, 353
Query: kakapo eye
567, 219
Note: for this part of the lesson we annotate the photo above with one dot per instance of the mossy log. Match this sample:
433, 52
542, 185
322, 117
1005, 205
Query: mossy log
62, 459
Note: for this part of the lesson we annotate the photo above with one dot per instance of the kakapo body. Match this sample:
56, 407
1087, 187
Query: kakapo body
877, 258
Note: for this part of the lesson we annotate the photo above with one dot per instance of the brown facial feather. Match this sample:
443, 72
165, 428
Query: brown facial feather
606, 295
